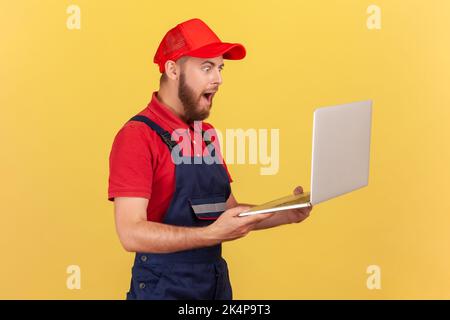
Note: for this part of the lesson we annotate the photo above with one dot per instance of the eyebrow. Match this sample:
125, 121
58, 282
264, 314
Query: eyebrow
212, 63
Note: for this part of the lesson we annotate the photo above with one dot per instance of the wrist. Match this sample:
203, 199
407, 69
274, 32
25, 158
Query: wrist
208, 236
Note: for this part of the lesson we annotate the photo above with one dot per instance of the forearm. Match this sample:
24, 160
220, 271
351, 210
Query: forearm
154, 237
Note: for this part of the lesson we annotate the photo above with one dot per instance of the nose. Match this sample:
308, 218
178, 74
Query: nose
217, 77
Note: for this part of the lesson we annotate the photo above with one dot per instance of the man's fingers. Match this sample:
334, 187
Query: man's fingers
256, 218
237, 210
304, 211
298, 190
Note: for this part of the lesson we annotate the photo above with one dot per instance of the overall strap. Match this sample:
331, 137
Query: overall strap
165, 135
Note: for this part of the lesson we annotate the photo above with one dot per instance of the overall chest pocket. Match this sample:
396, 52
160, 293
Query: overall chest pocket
208, 207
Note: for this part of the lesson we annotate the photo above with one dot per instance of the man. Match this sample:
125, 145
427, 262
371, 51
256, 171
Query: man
175, 215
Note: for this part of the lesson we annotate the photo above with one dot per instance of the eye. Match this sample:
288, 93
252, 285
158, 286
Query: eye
206, 68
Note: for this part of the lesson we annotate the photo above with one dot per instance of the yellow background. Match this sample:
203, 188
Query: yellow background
65, 93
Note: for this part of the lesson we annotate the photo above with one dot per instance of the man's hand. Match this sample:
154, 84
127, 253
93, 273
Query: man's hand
229, 226
297, 215
287, 216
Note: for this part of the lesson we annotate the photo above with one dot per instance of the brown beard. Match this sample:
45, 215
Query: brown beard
191, 102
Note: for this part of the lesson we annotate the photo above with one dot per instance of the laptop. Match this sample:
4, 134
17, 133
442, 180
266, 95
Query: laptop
340, 157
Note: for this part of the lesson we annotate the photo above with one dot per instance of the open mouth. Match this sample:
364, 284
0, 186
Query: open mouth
208, 96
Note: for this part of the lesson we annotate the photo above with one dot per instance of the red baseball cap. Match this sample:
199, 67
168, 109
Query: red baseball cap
194, 38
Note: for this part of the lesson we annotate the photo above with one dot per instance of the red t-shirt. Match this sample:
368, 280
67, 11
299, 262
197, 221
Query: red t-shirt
140, 163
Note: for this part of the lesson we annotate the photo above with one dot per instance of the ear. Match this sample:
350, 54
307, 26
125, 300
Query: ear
172, 70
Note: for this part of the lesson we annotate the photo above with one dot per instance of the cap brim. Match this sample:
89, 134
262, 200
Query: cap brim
229, 51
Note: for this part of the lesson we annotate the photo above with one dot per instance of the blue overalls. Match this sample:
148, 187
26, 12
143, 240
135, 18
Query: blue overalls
201, 191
